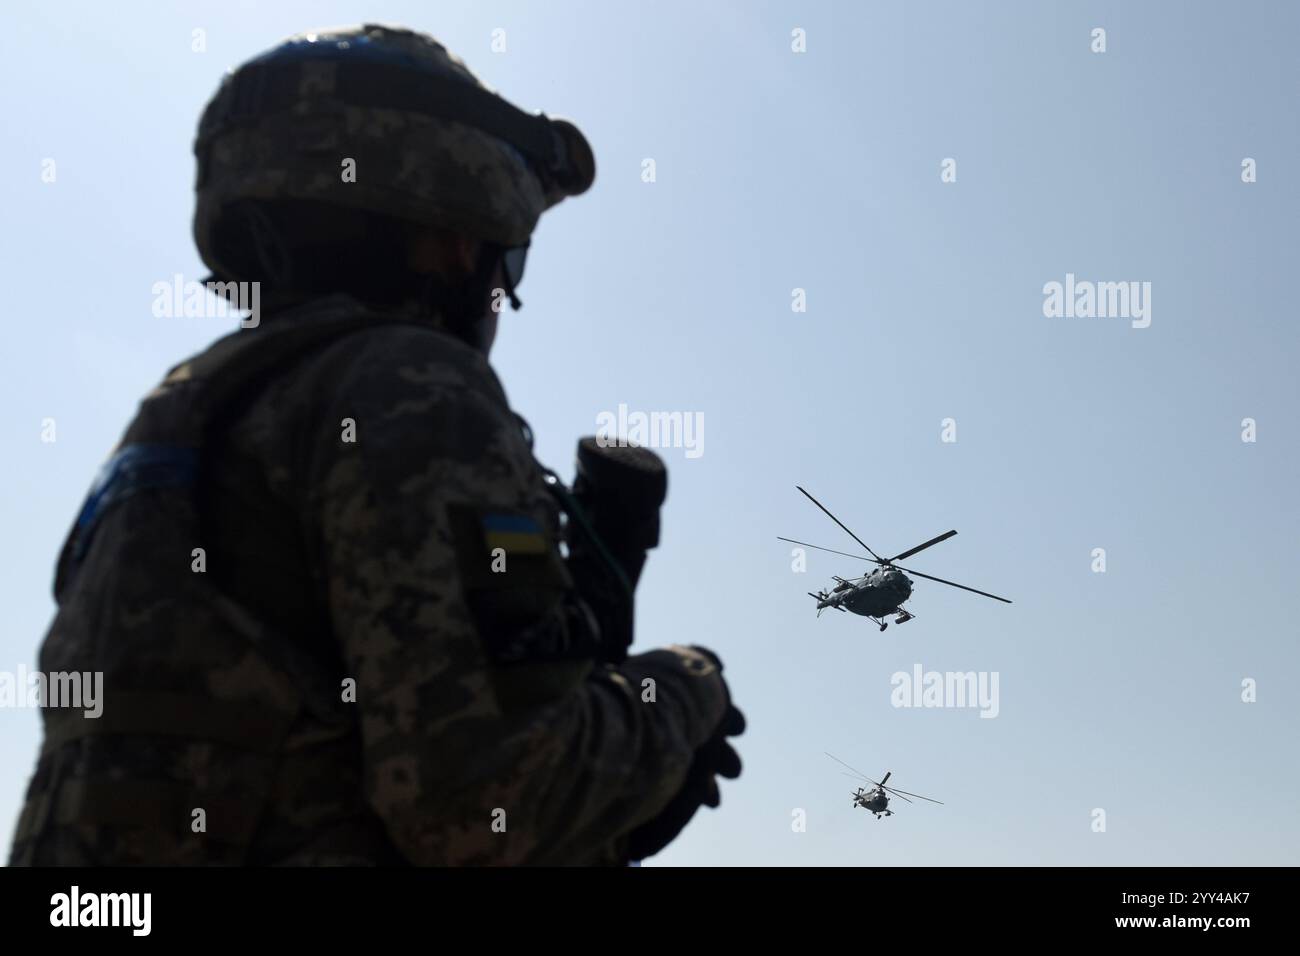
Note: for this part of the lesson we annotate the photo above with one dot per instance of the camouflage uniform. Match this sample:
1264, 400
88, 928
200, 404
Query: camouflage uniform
332, 560
344, 673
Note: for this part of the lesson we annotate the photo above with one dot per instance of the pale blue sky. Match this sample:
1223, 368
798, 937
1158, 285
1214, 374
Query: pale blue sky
821, 171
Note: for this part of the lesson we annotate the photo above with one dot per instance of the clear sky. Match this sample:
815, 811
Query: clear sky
820, 171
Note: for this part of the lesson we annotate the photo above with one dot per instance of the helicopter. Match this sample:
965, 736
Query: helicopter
882, 590
877, 799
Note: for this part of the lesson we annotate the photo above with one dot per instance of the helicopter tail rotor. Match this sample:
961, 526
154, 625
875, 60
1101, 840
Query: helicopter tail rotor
821, 597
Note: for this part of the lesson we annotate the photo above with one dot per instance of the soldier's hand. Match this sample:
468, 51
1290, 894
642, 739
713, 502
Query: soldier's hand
714, 758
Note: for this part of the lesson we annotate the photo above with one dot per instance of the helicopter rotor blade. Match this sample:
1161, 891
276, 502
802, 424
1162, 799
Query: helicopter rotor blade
921, 547
954, 584
858, 772
899, 793
818, 547
840, 523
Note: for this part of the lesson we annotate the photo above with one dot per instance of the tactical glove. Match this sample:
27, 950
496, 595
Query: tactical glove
714, 758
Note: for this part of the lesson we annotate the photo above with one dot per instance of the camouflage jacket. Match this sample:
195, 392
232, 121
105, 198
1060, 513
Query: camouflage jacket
332, 637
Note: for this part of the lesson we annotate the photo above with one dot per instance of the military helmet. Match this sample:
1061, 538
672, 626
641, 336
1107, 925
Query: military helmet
383, 121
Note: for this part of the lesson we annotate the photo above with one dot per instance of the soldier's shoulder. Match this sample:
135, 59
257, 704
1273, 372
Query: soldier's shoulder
394, 384
398, 359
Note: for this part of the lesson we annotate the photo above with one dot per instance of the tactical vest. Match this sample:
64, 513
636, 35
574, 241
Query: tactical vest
198, 696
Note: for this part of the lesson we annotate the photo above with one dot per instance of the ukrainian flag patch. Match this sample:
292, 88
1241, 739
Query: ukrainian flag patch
515, 534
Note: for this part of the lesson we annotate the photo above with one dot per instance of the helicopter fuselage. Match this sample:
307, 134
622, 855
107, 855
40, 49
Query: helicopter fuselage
874, 800
878, 593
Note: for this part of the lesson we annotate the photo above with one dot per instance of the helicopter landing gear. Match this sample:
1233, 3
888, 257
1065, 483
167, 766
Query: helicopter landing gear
883, 625
903, 616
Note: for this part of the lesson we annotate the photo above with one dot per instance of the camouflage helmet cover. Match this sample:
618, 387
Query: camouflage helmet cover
288, 137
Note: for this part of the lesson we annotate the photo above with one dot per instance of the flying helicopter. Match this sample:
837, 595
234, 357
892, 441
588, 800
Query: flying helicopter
880, 591
877, 799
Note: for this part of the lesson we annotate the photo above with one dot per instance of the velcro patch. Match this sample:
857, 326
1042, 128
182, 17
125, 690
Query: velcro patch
514, 534
528, 557
522, 602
